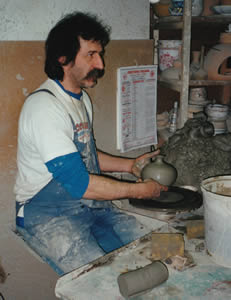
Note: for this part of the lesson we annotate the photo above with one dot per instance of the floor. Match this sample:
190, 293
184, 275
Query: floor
27, 276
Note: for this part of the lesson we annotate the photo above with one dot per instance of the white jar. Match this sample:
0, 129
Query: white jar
169, 51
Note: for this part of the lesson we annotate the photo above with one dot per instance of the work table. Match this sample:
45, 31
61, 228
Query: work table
199, 278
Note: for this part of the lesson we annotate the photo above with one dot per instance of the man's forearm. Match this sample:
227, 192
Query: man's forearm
110, 163
104, 188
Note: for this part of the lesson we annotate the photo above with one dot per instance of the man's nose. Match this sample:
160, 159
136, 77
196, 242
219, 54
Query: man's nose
98, 62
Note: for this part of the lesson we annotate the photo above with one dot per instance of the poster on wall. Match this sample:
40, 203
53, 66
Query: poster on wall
136, 107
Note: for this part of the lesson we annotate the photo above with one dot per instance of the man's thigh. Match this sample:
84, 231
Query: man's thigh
66, 241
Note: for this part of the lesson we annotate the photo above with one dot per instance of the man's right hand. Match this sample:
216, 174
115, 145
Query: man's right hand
150, 189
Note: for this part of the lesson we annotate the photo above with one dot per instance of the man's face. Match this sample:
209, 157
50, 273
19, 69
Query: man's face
88, 65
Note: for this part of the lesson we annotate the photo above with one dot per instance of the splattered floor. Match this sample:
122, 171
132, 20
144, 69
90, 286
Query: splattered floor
27, 277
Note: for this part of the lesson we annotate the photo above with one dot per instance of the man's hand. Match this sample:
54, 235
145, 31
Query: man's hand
142, 161
151, 189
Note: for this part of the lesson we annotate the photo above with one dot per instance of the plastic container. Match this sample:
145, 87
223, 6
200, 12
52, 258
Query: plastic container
217, 214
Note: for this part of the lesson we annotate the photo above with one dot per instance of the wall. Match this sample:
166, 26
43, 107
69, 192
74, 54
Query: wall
31, 19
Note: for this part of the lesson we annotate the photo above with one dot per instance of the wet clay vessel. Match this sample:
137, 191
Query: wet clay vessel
161, 171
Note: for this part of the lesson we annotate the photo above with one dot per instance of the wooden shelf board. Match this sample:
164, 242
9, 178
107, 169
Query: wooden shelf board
176, 84
176, 22
209, 82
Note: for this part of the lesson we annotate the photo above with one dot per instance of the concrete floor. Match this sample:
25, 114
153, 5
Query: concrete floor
28, 277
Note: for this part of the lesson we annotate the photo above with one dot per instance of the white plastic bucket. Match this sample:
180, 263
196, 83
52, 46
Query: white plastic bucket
217, 214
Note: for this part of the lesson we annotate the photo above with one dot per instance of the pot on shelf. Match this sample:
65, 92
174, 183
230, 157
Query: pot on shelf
161, 9
161, 171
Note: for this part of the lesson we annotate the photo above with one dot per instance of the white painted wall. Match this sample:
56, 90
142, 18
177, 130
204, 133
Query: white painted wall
32, 19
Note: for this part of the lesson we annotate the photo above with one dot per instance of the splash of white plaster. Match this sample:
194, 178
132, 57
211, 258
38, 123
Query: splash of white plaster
25, 92
19, 77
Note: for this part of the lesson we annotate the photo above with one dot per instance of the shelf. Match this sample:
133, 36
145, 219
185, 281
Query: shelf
190, 28
171, 84
176, 84
176, 22
209, 82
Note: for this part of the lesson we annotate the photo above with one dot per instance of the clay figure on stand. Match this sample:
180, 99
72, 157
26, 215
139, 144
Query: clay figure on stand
195, 64
196, 67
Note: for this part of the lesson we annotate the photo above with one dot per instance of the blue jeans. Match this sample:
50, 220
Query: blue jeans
68, 234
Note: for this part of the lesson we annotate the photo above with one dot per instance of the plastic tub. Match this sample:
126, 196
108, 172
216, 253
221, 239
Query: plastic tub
217, 214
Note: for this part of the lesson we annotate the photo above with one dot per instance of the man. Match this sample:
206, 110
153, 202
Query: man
63, 205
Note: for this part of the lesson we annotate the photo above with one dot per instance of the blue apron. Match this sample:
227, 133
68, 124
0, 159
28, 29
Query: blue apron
68, 233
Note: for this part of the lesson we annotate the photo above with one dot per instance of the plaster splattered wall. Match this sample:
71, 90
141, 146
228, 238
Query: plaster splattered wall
31, 19
24, 26
21, 72
26, 21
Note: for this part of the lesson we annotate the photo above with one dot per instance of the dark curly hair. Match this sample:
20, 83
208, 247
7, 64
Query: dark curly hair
63, 40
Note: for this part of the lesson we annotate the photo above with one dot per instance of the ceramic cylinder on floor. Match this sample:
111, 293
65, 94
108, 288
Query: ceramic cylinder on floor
142, 280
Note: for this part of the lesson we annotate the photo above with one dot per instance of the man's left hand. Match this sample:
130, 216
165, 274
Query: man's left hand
141, 161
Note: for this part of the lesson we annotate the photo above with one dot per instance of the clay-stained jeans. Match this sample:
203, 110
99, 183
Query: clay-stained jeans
68, 234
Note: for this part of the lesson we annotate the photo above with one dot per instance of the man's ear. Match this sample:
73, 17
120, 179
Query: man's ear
62, 60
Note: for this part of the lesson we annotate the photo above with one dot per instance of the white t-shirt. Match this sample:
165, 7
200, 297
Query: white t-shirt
46, 132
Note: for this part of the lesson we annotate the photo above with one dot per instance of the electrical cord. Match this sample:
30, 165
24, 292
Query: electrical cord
1, 296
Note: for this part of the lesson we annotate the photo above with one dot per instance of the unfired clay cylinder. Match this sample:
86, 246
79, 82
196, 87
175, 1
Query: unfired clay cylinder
143, 279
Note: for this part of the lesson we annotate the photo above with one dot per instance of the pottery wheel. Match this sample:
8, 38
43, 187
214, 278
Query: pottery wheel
175, 199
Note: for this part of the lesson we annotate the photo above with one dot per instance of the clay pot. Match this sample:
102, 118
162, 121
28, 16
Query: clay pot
208, 4
161, 9
217, 115
215, 62
198, 94
169, 51
172, 73
217, 112
161, 171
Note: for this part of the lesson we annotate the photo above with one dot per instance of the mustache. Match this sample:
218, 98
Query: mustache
95, 73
